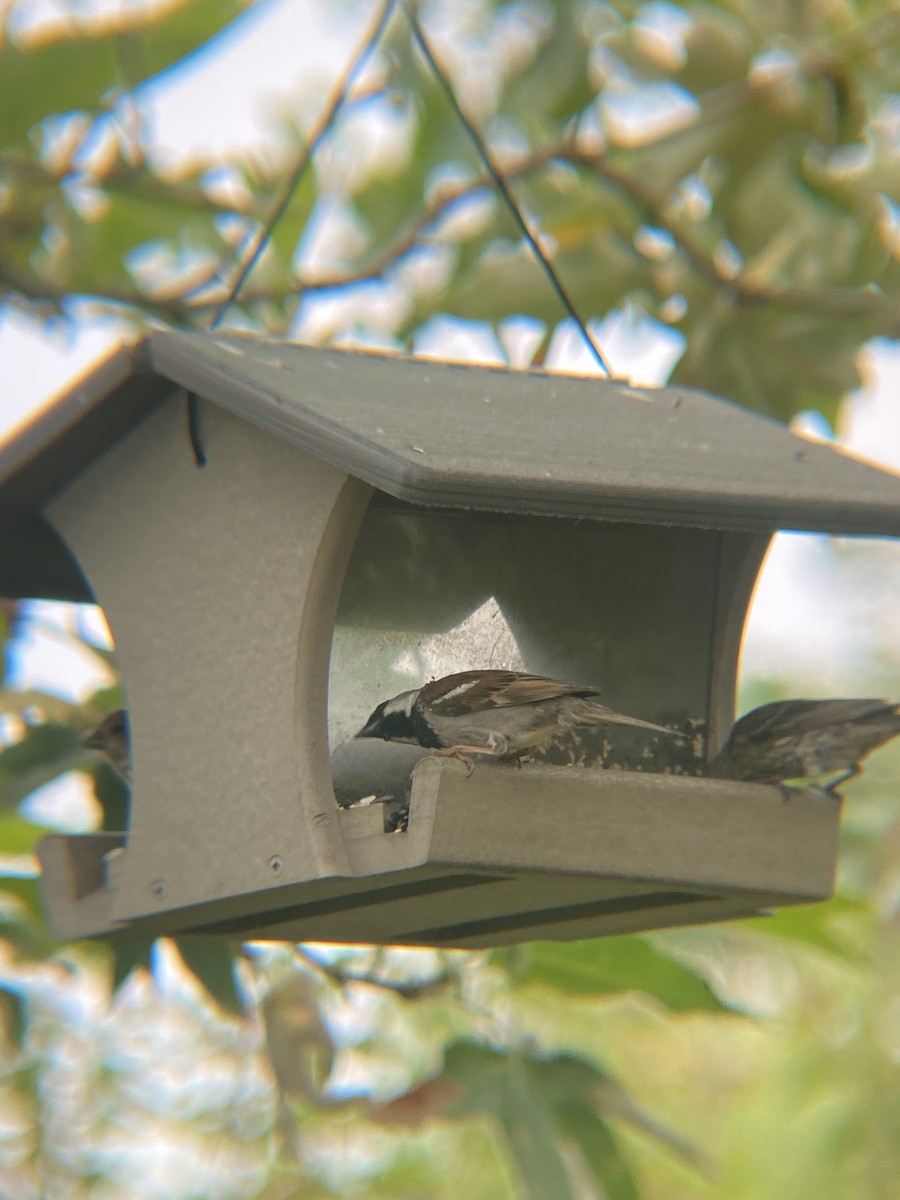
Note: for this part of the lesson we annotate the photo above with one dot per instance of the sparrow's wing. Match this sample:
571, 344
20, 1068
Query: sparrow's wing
474, 691
794, 718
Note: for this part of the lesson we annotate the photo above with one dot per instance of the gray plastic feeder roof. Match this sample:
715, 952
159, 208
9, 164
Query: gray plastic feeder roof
458, 436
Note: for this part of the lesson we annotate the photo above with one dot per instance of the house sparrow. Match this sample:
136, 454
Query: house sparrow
805, 739
502, 714
111, 738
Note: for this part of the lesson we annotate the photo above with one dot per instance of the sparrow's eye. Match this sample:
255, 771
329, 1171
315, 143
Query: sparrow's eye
118, 727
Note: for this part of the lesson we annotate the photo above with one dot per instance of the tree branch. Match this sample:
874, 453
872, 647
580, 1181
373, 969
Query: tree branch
407, 989
825, 299
828, 300
188, 306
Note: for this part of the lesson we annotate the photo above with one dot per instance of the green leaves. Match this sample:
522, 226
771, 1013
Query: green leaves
211, 960
605, 966
77, 71
46, 751
71, 223
12, 1015
18, 835
129, 954
22, 921
776, 357
529, 1129
599, 1149
837, 928
779, 267
555, 84
545, 1105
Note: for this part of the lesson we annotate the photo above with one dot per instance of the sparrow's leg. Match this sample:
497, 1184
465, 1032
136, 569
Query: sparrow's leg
850, 773
459, 753
497, 749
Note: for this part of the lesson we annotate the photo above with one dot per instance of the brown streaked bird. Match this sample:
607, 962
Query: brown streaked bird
500, 714
806, 739
111, 738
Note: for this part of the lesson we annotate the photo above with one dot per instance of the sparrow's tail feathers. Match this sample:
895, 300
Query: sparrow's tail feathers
599, 714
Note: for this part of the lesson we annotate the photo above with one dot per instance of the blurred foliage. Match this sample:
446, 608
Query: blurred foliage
726, 170
727, 173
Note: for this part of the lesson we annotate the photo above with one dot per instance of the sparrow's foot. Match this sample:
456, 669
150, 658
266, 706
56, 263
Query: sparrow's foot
497, 749
457, 752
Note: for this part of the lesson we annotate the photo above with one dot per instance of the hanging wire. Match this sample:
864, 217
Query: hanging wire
338, 98
336, 102
501, 185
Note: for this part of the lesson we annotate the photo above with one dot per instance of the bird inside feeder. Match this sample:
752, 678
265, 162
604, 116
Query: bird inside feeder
532, 639
494, 714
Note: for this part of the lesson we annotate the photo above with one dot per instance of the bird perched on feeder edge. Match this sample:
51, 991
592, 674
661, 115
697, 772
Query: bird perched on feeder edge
498, 714
806, 739
110, 737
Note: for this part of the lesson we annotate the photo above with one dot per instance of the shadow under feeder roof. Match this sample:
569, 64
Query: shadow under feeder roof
224, 586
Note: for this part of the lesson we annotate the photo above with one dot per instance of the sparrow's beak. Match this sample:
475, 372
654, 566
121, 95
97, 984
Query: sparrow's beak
370, 729
91, 739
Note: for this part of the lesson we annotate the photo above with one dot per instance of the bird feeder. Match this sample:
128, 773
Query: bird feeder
363, 521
